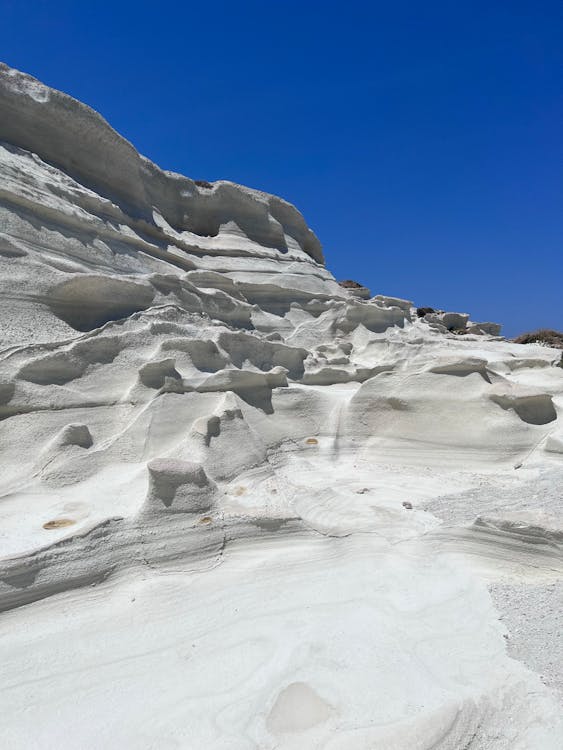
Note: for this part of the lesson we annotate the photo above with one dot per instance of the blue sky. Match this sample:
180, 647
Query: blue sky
421, 140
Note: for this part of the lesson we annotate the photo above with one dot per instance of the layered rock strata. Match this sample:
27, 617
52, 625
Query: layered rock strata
243, 506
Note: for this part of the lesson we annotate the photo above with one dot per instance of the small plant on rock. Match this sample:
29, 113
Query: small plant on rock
422, 311
350, 284
545, 336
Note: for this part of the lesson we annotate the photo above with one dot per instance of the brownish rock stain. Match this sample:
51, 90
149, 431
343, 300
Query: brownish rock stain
58, 523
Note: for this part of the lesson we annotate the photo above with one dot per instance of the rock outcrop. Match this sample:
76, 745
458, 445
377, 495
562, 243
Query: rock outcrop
223, 474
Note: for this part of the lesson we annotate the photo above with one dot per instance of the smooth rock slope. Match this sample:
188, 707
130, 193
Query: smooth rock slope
243, 506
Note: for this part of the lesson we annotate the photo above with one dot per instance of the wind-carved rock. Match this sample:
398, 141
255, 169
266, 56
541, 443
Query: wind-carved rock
208, 448
181, 486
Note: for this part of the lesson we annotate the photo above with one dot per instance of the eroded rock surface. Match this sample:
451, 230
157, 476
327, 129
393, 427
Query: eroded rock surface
244, 506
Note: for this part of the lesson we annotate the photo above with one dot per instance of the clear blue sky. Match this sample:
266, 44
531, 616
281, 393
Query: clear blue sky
421, 140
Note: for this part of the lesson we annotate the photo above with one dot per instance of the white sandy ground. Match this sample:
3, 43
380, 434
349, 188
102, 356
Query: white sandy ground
367, 633
243, 508
349, 641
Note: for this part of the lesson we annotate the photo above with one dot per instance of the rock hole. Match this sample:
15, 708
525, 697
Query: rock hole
154, 374
536, 409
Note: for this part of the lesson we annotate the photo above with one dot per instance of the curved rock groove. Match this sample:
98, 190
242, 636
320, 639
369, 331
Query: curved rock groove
88, 302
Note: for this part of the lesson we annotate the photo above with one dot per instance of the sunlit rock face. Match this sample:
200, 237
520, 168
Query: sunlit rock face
243, 506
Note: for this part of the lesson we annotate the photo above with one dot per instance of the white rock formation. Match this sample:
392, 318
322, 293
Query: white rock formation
242, 507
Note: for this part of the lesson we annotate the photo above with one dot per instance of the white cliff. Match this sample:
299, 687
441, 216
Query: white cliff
241, 505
